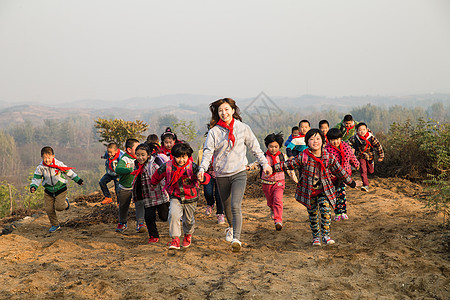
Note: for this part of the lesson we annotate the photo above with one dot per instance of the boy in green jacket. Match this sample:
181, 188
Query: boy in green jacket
49, 172
124, 169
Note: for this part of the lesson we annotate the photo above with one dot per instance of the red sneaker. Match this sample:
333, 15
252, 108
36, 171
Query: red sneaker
175, 244
187, 240
153, 240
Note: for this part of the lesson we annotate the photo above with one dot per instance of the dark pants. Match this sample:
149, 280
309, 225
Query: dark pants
104, 184
150, 217
211, 191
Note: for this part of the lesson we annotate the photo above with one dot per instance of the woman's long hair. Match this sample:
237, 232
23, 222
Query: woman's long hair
214, 108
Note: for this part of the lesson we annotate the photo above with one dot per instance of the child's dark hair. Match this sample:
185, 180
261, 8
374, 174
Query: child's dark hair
312, 132
294, 128
334, 134
274, 138
112, 145
348, 118
145, 147
303, 121
130, 143
324, 122
181, 149
47, 150
152, 138
168, 134
360, 124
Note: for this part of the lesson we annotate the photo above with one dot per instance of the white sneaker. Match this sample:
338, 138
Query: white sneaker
229, 234
236, 245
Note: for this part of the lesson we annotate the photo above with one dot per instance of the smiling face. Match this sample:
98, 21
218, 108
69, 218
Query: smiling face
48, 158
169, 143
324, 128
348, 124
111, 151
304, 128
336, 142
132, 151
141, 156
315, 143
226, 112
273, 148
362, 130
182, 160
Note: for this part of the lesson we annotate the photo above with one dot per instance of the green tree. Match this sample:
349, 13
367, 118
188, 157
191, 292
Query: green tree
119, 131
185, 130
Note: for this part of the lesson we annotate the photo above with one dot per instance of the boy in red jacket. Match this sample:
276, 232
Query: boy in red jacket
181, 185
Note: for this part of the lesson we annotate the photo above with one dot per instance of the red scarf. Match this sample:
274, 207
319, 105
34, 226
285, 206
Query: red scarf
53, 165
230, 130
366, 140
340, 150
113, 159
132, 156
326, 140
139, 170
274, 159
178, 172
349, 128
317, 160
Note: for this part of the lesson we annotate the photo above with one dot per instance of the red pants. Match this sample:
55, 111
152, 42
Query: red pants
365, 166
274, 196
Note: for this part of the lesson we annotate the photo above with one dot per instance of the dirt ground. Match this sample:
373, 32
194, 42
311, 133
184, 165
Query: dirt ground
390, 248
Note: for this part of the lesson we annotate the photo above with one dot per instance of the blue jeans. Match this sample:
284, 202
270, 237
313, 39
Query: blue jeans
104, 184
211, 191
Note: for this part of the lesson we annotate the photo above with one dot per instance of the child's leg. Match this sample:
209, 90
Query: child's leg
150, 220
219, 205
163, 211
49, 206
175, 213
60, 201
140, 212
208, 191
277, 197
370, 167
363, 171
268, 192
104, 185
325, 214
124, 205
313, 213
188, 217
341, 207
116, 186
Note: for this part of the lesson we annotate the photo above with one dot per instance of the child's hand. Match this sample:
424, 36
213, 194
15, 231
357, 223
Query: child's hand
359, 183
32, 189
201, 176
380, 159
247, 167
267, 170
80, 182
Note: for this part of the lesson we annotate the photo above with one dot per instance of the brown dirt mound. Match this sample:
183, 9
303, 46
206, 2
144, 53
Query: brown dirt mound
106, 214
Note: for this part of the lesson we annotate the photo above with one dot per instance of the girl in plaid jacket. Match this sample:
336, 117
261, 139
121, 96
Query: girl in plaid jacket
315, 189
155, 199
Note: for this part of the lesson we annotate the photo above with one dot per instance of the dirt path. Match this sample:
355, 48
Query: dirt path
390, 248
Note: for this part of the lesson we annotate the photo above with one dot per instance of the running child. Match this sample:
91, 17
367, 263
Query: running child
112, 155
324, 126
315, 189
124, 169
273, 185
181, 185
155, 199
168, 140
345, 156
49, 174
365, 145
347, 126
295, 131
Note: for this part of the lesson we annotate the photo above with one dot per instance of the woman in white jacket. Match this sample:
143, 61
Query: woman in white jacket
227, 141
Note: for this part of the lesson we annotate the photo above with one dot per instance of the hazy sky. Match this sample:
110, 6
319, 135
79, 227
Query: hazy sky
113, 50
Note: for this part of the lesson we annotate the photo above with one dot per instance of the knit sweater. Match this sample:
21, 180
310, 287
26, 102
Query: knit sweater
230, 160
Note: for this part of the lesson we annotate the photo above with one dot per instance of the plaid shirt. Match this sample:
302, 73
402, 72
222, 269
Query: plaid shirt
157, 196
310, 169
359, 145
